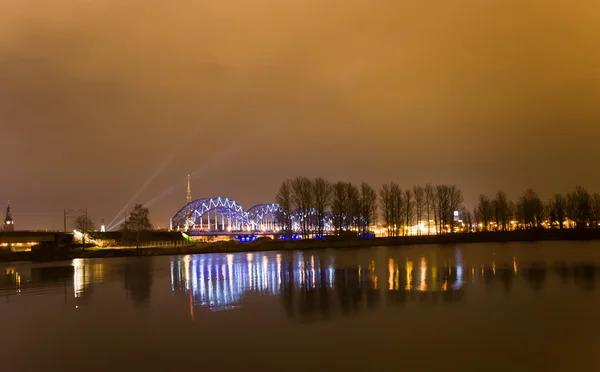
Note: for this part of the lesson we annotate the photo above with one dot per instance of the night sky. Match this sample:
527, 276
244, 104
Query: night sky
102, 99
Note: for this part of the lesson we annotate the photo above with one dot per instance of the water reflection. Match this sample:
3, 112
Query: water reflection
314, 287
309, 286
137, 280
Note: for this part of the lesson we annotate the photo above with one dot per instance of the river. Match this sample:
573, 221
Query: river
514, 306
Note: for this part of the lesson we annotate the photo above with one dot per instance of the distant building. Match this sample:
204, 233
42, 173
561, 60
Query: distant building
9, 224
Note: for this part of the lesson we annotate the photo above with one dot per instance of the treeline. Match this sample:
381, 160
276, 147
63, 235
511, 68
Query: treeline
403, 209
316, 202
576, 209
313, 206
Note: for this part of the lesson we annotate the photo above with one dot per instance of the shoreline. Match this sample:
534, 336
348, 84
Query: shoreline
278, 245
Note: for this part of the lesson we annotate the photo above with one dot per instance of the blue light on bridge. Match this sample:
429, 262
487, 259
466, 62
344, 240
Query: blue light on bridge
293, 237
246, 239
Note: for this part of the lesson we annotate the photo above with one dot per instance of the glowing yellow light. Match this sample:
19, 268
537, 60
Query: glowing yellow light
423, 286
409, 270
391, 273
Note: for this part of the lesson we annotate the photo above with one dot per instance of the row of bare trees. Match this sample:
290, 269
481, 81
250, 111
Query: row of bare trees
579, 207
431, 208
311, 200
405, 208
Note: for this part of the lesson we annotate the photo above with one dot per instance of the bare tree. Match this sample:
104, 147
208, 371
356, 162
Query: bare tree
557, 210
443, 209
322, 199
484, 211
467, 218
455, 200
386, 203
368, 198
596, 210
531, 209
398, 207
284, 199
353, 207
137, 226
420, 204
502, 210
582, 207
338, 206
409, 210
302, 199
429, 203
83, 223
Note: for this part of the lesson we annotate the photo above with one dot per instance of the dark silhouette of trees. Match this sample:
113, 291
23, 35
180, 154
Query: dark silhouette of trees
393, 204
596, 210
456, 199
484, 211
530, 210
355, 208
322, 198
284, 199
557, 210
83, 223
352, 207
579, 207
442, 204
429, 203
368, 201
386, 203
398, 208
447, 200
467, 218
502, 212
302, 200
409, 210
338, 206
419, 194
137, 226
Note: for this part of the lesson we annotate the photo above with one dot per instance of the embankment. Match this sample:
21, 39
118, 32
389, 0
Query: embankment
333, 242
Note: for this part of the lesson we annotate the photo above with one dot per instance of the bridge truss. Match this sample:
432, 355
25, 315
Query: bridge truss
212, 216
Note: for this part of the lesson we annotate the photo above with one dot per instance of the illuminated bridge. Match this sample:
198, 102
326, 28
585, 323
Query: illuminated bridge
223, 216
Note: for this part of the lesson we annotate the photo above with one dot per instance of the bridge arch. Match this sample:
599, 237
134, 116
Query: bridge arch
267, 217
212, 214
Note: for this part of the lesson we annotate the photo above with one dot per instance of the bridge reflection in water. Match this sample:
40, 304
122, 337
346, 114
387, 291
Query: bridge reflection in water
308, 286
312, 285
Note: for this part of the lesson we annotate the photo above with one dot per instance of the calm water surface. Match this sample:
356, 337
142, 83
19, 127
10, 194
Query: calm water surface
517, 306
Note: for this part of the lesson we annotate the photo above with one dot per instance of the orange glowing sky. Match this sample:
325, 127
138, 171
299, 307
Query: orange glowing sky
97, 96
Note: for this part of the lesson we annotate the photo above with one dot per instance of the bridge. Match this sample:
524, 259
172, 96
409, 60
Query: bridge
223, 216
24, 240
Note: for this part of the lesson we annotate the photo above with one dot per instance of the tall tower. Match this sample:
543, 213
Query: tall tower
189, 191
9, 224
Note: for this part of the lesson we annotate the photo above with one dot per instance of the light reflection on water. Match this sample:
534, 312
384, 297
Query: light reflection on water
436, 287
220, 282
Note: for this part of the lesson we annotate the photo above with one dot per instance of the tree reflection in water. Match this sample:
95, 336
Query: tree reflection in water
310, 286
313, 288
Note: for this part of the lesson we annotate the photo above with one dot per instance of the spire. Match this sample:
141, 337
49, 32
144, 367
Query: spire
8, 220
8, 212
189, 190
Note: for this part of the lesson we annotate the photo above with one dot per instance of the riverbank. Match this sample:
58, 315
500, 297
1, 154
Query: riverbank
278, 245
